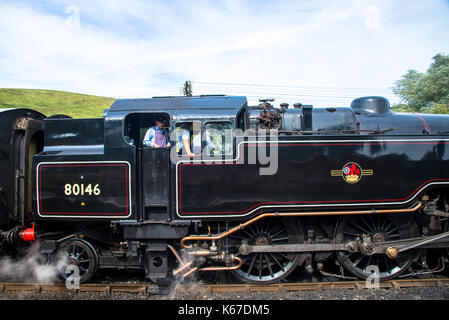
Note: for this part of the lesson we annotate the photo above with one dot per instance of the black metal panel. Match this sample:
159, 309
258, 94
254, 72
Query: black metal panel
74, 132
155, 176
84, 189
333, 119
154, 231
309, 176
374, 106
156, 262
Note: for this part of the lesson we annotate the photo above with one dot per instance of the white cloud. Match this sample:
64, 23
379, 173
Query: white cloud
372, 18
145, 48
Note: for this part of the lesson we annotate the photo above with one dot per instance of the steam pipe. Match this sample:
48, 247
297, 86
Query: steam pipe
240, 261
182, 268
292, 214
175, 253
238, 266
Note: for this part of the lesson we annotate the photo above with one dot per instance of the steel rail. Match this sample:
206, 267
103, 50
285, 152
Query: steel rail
152, 289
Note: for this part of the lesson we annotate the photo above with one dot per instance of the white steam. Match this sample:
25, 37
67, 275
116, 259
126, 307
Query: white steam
192, 282
31, 267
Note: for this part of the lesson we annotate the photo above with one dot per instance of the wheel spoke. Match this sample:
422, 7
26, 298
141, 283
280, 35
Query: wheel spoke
251, 265
386, 264
351, 233
267, 226
250, 228
359, 227
355, 264
383, 224
83, 261
269, 265
233, 236
285, 256
247, 233
256, 226
279, 239
277, 262
372, 223
394, 235
366, 224
80, 253
245, 259
388, 227
369, 261
274, 235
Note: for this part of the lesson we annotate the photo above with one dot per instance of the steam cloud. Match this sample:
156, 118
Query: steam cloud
31, 267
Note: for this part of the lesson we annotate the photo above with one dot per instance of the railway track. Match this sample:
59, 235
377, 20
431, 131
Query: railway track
211, 289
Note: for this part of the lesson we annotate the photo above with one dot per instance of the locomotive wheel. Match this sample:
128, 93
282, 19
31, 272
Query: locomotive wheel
83, 255
266, 268
379, 228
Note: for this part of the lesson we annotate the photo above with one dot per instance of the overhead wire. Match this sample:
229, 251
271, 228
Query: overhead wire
314, 94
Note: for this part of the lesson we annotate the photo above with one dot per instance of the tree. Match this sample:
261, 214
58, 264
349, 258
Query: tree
425, 92
187, 89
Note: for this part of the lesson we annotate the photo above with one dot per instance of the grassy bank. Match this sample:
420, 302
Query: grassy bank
51, 102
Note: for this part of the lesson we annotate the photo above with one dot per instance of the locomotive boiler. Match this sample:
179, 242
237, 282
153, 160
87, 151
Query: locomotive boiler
268, 190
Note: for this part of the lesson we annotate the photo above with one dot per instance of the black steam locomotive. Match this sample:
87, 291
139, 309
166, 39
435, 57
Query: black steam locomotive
267, 189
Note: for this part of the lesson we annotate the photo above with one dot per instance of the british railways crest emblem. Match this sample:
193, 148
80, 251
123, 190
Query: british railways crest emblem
351, 173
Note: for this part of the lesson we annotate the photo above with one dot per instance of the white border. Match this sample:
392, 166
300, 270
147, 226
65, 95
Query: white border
211, 215
84, 216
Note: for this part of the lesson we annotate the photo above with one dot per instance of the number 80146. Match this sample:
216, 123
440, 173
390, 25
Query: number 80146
81, 189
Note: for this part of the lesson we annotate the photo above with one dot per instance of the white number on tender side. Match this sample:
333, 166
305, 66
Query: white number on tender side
81, 189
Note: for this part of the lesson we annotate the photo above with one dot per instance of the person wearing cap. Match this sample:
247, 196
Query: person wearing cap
156, 136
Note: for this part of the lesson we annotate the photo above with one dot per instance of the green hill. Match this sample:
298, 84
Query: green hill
51, 102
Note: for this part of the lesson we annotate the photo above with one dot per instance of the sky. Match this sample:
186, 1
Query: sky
319, 52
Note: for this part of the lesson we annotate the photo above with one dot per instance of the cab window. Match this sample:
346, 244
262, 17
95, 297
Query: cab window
218, 137
136, 125
191, 131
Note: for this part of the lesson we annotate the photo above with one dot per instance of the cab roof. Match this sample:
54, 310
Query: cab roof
212, 105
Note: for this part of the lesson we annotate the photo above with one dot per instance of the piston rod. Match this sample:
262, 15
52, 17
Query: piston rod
391, 248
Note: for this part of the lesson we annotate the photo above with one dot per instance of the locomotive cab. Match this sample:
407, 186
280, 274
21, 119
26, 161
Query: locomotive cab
152, 164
